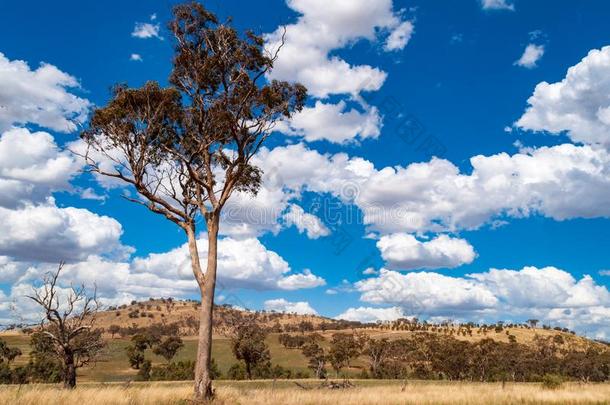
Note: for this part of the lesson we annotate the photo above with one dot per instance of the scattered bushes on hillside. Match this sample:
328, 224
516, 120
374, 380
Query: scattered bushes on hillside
292, 342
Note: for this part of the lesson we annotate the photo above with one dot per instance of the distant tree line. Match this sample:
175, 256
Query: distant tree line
435, 356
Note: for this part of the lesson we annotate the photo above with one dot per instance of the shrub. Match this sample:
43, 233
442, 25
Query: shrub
237, 372
44, 369
280, 372
6, 375
135, 357
179, 371
552, 381
144, 372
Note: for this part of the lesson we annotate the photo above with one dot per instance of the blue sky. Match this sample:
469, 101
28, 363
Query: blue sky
521, 231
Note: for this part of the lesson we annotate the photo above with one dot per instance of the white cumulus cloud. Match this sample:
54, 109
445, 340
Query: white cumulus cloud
323, 27
281, 305
242, 263
31, 167
550, 294
371, 314
39, 96
531, 55
305, 222
332, 122
578, 104
48, 233
146, 30
405, 252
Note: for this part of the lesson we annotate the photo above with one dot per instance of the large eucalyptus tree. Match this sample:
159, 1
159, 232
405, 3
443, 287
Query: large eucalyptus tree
187, 148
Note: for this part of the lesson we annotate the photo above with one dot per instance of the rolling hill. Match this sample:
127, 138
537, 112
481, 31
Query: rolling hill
183, 315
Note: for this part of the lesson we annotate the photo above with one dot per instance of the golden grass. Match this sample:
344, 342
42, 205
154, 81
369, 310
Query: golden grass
257, 393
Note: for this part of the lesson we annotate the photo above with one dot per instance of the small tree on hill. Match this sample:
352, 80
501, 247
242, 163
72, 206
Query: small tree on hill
68, 325
249, 346
168, 347
378, 351
316, 358
8, 353
532, 323
135, 352
343, 348
113, 330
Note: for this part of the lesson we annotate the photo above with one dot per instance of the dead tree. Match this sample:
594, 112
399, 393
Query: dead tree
68, 325
187, 148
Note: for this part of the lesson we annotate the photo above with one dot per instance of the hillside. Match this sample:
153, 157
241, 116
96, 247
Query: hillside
182, 316
186, 313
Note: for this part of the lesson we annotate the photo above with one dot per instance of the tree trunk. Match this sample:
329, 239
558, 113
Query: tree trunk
69, 372
203, 380
248, 370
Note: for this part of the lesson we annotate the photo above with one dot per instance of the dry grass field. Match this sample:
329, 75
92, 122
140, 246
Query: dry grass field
286, 393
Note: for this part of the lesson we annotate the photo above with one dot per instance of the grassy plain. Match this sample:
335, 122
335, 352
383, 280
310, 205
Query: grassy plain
287, 393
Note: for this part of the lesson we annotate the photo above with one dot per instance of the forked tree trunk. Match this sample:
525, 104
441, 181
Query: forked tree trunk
203, 380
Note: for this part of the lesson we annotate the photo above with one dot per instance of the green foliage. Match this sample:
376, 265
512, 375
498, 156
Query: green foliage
20, 375
7, 353
316, 358
249, 346
44, 366
343, 349
168, 347
215, 373
182, 370
144, 371
174, 371
6, 374
237, 372
292, 342
139, 343
135, 357
552, 381
280, 372
44, 369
